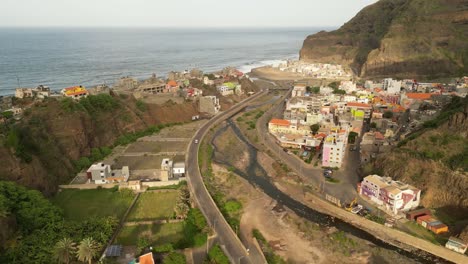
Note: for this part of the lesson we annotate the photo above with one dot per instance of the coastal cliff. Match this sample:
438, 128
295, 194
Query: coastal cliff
399, 38
40, 151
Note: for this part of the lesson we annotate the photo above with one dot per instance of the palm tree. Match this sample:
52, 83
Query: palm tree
87, 250
64, 250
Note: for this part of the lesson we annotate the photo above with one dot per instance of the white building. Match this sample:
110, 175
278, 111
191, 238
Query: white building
334, 148
101, 173
326, 90
392, 86
394, 195
178, 169
225, 90
348, 86
207, 81
166, 169
299, 90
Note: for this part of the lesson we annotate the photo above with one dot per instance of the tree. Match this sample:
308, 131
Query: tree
183, 203
181, 210
64, 250
315, 128
216, 256
142, 243
175, 258
196, 217
388, 114
334, 85
338, 91
7, 114
373, 125
352, 137
87, 250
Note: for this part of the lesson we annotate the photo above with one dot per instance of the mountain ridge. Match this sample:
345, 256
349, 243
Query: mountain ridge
400, 38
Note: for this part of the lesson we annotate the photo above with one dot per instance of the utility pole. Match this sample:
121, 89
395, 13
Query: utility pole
18, 81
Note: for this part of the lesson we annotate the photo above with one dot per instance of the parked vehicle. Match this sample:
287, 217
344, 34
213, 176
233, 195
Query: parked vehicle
357, 209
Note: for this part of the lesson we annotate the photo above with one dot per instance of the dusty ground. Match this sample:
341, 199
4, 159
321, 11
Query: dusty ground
270, 73
185, 131
155, 147
162, 98
139, 162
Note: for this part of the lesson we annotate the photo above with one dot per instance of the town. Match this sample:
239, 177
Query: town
328, 128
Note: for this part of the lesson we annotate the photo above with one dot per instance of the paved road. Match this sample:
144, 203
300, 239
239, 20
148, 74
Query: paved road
344, 190
235, 249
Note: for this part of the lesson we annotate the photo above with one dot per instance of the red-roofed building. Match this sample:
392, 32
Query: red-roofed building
408, 99
419, 96
358, 105
280, 122
276, 126
146, 259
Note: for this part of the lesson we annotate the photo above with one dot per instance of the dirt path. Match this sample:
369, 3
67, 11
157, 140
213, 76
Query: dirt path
259, 214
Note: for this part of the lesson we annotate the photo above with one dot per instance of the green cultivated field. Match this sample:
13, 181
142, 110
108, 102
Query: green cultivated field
154, 206
156, 234
80, 205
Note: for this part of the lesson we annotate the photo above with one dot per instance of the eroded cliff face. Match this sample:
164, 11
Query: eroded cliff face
59, 137
402, 38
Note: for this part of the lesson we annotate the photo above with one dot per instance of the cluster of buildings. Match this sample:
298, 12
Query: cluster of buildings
334, 117
170, 172
315, 70
394, 196
101, 173
379, 113
424, 218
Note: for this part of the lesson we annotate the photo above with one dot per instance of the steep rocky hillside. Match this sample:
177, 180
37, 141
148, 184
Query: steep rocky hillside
436, 160
403, 38
40, 150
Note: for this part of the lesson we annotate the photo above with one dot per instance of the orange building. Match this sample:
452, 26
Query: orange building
75, 92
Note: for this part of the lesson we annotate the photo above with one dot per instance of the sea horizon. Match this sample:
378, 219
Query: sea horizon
60, 57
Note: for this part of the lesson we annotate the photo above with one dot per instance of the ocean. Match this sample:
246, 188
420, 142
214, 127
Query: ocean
61, 57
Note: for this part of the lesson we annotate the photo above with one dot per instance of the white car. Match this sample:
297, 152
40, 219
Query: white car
196, 141
357, 209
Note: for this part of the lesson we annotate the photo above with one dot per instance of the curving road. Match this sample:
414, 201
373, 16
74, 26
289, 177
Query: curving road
227, 238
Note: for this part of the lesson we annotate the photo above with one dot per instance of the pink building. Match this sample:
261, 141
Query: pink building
394, 195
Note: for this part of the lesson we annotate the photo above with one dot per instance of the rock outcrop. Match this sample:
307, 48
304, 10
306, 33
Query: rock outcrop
399, 38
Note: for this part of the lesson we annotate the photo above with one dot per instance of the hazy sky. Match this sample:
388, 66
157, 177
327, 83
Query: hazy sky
178, 13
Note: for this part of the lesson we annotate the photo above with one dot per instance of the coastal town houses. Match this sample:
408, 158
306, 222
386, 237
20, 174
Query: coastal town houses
276, 126
391, 86
359, 110
101, 173
229, 88
207, 81
394, 196
299, 90
126, 83
39, 92
209, 104
334, 148
414, 100
23, 93
348, 86
75, 92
